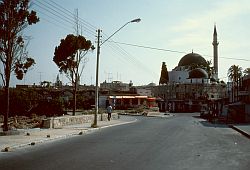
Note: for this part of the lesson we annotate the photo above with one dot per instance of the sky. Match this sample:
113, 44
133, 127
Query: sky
175, 26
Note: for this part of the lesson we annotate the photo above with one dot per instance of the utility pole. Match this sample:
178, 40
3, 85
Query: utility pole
97, 66
97, 75
40, 77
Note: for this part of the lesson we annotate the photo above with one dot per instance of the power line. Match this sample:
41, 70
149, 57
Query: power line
81, 20
137, 62
62, 10
61, 15
130, 59
54, 22
66, 16
53, 12
168, 50
147, 47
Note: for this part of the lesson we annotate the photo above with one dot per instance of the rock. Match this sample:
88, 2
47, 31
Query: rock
7, 149
32, 143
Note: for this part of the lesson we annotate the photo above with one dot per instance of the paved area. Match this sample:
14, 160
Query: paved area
26, 137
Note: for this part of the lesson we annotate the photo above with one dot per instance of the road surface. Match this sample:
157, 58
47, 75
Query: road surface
180, 142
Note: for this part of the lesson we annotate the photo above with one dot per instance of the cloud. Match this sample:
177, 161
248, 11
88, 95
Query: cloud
196, 29
223, 11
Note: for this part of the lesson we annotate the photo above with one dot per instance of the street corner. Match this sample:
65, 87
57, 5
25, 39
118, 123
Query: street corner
242, 129
159, 114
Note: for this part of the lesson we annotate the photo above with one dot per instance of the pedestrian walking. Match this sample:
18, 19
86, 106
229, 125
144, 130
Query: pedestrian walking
109, 110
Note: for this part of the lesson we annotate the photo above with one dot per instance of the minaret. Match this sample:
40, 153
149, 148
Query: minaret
215, 44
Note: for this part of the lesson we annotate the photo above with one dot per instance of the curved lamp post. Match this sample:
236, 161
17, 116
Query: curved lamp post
97, 66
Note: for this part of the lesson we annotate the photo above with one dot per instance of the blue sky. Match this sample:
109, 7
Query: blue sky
176, 25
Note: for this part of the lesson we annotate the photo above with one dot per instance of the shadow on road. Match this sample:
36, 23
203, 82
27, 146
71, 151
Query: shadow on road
214, 125
206, 123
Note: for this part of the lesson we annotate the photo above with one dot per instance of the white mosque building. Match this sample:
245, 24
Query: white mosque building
183, 73
190, 84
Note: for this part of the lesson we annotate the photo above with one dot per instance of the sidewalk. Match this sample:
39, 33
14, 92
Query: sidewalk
34, 136
244, 129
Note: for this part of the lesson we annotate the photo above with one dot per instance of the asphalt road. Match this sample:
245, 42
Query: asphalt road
179, 142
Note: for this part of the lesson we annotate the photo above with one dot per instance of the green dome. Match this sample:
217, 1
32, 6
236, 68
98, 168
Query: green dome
191, 59
198, 73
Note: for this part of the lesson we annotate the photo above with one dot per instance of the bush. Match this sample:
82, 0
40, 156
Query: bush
24, 102
49, 108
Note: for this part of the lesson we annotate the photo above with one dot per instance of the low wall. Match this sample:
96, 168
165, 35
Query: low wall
59, 122
247, 110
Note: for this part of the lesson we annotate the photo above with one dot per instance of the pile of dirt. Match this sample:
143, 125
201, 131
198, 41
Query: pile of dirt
24, 122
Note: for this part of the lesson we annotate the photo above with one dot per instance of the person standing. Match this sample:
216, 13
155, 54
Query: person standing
109, 110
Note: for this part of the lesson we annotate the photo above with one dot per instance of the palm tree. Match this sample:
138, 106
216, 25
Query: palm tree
208, 68
234, 73
246, 71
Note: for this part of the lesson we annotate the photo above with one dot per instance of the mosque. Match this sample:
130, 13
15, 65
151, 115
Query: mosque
191, 66
192, 83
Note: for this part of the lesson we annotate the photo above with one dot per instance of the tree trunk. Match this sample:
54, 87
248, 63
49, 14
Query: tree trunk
74, 98
74, 95
7, 102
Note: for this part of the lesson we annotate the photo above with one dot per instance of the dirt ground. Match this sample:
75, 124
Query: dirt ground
24, 122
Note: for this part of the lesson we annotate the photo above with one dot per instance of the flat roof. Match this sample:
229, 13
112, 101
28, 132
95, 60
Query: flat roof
128, 97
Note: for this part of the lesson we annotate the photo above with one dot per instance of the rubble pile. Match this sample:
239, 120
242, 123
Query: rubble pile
24, 122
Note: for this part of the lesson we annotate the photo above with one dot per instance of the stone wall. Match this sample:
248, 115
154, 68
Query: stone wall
247, 111
59, 122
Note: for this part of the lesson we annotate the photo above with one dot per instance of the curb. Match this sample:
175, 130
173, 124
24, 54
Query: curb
41, 141
240, 131
65, 136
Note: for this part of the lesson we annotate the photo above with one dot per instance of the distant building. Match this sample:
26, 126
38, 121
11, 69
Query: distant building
125, 95
115, 85
244, 89
238, 108
58, 82
131, 101
145, 90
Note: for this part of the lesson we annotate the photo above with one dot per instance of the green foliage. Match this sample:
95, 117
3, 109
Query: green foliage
21, 67
234, 73
14, 18
65, 53
25, 102
16, 12
246, 71
49, 108
207, 67
68, 57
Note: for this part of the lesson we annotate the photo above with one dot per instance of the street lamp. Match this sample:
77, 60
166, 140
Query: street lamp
97, 65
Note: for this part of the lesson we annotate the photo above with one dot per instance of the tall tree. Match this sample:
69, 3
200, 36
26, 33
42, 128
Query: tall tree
246, 71
14, 18
234, 73
164, 79
207, 66
69, 56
